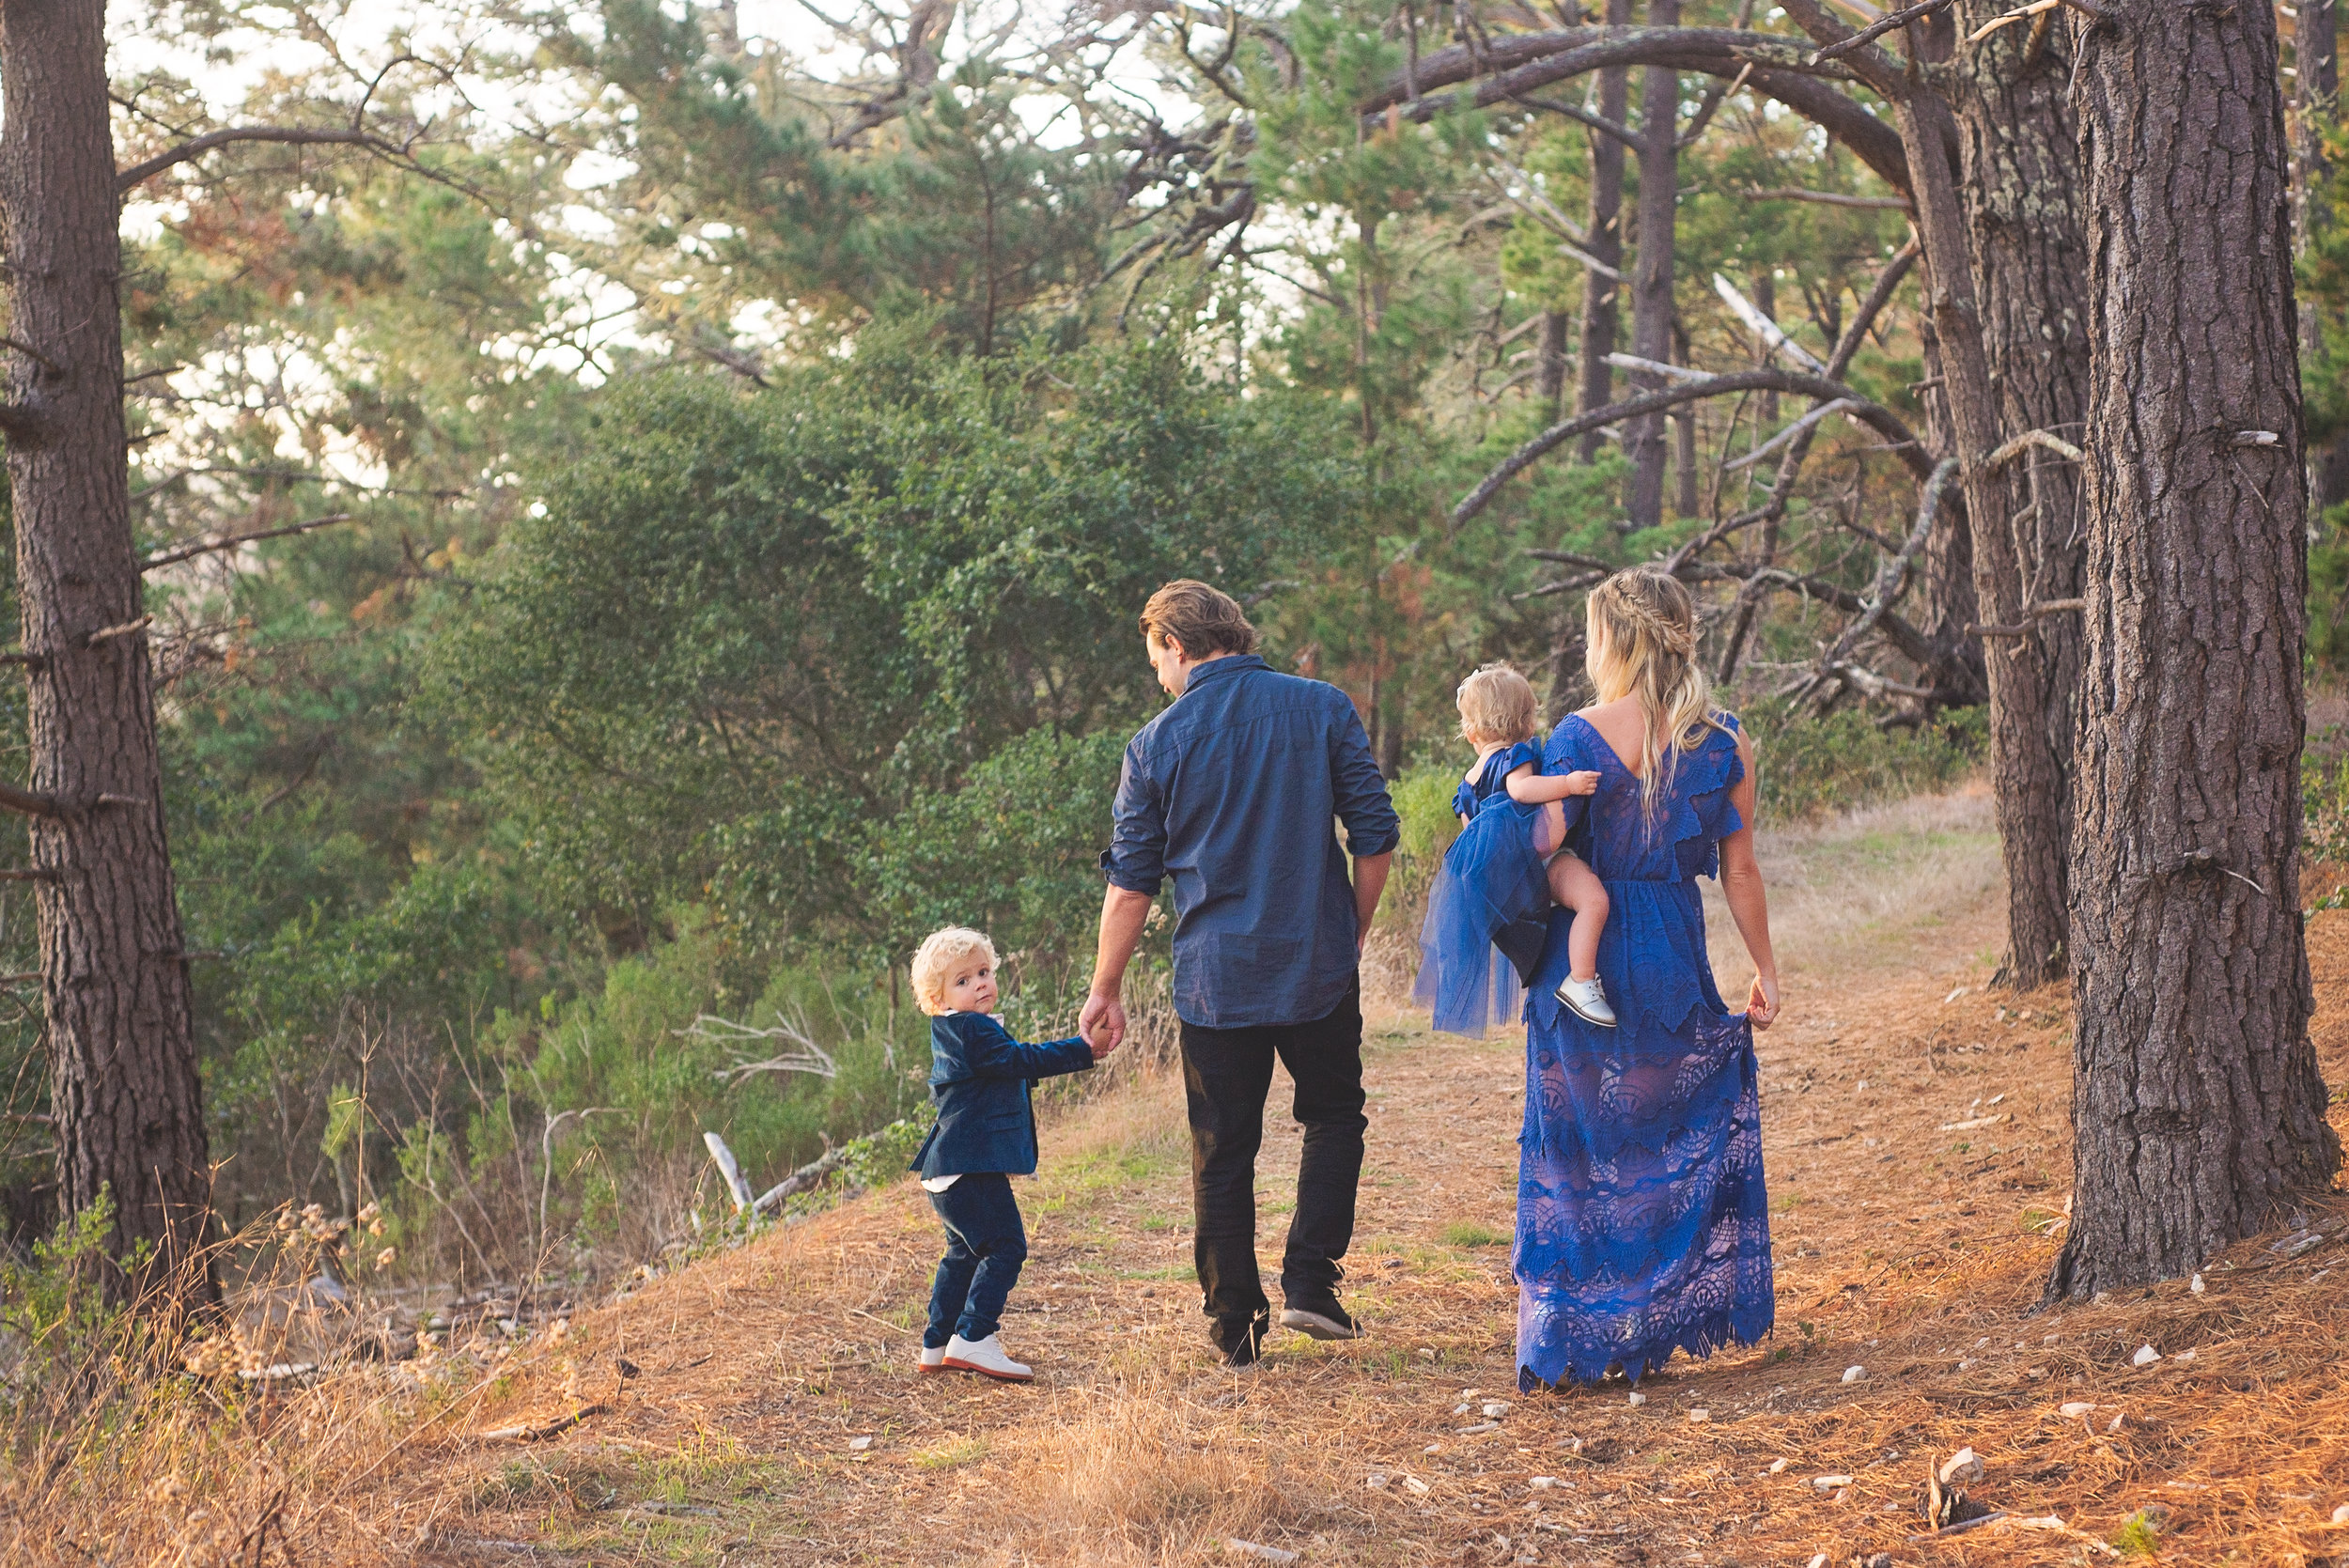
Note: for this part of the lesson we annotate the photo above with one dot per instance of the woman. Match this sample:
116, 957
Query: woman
1642, 1226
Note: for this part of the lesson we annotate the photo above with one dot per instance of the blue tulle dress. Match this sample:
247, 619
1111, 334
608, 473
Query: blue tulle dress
1488, 913
1642, 1225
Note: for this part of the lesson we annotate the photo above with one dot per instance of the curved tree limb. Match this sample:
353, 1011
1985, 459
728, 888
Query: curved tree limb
1883, 420
139, 174
1772, 64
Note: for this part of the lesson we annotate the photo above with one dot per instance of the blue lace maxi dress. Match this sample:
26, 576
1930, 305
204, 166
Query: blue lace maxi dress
1642, 1225
1493, 889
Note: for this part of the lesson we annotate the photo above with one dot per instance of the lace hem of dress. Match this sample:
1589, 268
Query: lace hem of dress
1569, 1341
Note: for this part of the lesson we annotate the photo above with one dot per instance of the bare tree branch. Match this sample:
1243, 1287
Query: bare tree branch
230, 541
25, 803
1511, 66
1877, 417
138, 173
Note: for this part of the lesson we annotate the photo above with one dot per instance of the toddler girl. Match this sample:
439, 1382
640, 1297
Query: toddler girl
1506, 869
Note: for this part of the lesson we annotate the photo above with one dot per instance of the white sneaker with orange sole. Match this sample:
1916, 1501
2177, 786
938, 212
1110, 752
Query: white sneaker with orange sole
933, 1357
986, 1357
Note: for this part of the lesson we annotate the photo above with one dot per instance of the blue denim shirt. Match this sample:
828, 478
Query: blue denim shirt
1234, 791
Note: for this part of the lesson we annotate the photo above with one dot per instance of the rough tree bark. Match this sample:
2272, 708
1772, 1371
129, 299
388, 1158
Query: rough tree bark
2024, 778
1552, 350
124, 1085
2197, 1108
1945, 584
2021, 189
1652, 271
1600, 313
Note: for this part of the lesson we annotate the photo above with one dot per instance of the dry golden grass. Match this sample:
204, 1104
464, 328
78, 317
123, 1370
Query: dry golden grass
1915, 1251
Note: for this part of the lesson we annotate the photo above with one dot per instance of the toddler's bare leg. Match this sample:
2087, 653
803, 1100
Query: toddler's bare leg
1574, 886
1549, 829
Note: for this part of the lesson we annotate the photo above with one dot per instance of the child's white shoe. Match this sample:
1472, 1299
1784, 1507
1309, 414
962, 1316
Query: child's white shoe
986, 1357
1587, 998
933, 1357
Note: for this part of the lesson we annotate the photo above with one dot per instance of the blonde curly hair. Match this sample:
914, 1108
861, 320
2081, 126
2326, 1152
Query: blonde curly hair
1497, 704
936, 959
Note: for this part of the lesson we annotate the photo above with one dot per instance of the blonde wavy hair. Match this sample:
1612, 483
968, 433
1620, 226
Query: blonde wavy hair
1649, 651
1498, 703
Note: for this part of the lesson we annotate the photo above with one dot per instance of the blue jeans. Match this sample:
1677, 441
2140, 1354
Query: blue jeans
985, 1244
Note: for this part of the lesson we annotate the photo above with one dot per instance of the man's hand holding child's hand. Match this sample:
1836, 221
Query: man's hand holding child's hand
1102, 1024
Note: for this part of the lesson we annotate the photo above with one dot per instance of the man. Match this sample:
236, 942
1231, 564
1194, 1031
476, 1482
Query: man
1234, 791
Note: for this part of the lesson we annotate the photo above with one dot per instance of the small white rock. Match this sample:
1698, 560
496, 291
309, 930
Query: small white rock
1479, 1429
1853, 1375
2341, 1515
2074, 1409
2196, 1286
1830, 1482
1700, 1415
1237, 1547
1412, 1484
1375, 1480
1963, 1467
2115, 1424
1543, 1482
1495, 1410
1777, 1467
2146, 1355
2185, 1354
858, 1444
1638, 1398
1459, 1410
1819, 1561
1433, 1447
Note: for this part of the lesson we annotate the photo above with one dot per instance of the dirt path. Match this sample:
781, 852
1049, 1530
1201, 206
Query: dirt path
1917, 1156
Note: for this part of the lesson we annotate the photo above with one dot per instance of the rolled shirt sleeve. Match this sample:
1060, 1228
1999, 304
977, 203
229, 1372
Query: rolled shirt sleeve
1372, 826
1136, 858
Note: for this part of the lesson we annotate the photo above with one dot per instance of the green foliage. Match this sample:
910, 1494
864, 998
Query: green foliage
748, 628
2325, 804
1810, 767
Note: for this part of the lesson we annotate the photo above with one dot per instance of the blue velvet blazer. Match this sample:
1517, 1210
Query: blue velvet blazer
979, 1080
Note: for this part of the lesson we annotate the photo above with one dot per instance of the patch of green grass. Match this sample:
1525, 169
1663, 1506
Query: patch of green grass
1468, 1232
2140, 1535
1786, 1203
962, 1451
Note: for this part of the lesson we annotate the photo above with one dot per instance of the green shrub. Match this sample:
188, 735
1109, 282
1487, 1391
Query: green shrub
1812, 768
2325, 806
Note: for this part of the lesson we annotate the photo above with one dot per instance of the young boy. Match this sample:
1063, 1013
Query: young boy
985, 1135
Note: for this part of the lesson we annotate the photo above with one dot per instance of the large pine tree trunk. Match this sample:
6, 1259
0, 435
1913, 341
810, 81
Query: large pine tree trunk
2024, 778
2021, 197
1601, 309
1652, 272
2197, 1108
124, 1083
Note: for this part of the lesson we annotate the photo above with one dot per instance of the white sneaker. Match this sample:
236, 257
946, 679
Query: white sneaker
933, 1357
986, 1357
1588, 999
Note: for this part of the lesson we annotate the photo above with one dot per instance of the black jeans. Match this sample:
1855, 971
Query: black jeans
985, 1244
1228, 1073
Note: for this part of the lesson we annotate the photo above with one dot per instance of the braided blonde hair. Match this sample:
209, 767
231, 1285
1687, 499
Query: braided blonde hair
1650, 650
